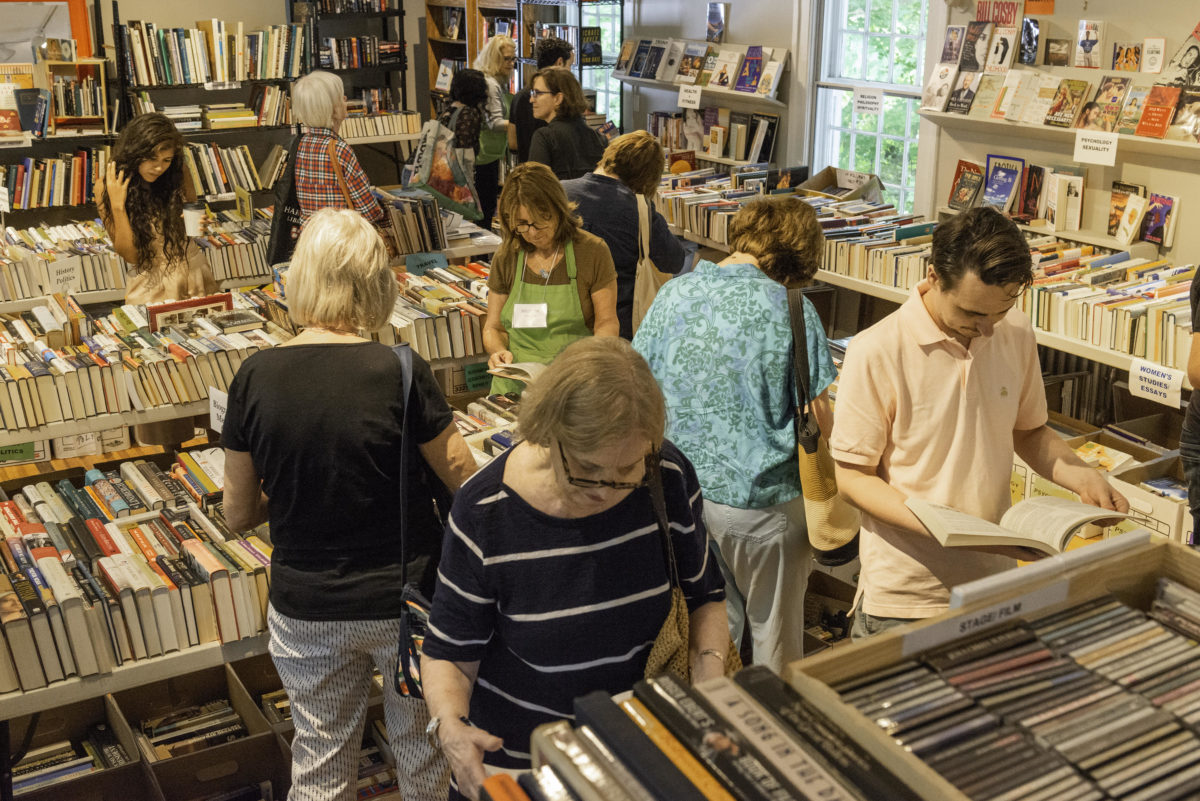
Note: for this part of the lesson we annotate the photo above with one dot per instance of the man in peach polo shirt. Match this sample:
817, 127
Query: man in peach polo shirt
932, 402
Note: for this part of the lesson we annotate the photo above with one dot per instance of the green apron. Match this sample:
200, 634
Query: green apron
493, 145
564, 321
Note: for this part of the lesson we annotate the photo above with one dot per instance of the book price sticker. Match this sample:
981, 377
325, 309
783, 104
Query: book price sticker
1096, 147
868, 101
418, 263
1158, 383
218, 402
689, 96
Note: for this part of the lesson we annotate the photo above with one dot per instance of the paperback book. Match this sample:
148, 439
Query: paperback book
751, 71
937, 88
1067, 103
1131, 109
1058, 52
1087, 44
691, 63
1031, 34
1127, 56
1003, 49
976, 46
725, 71
1158, 225
964, 94
953, 43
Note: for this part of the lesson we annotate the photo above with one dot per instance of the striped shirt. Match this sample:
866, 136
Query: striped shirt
555, 608
317, 184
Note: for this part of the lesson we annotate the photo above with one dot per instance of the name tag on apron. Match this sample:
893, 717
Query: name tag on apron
529, 315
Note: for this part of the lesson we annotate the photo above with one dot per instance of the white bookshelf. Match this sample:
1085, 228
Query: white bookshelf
1146, 250
381, 138
103, 422
707, 93
131, 674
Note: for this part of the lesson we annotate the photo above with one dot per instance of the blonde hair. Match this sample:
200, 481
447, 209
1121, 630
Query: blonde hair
783, 234
490, 60
637, 160
592, 374
315, 96
339, 276
534, 186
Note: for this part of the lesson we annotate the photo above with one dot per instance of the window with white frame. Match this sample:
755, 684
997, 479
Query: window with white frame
608, 89
879, 45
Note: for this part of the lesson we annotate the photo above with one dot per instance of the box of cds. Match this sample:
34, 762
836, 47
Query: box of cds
1076, 677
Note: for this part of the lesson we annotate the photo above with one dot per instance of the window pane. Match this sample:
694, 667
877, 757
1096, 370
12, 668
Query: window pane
892, 195
881, 16
895, 115
879, 59
843, 109
844, 142
909, 58
864, 153
891, 160
908, 17
856, 15
910, 177
852, 47
867, 122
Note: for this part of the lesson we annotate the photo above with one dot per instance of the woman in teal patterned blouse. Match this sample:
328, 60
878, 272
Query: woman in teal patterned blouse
719, 342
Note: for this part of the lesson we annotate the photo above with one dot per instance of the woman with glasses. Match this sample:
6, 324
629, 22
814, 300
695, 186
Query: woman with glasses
496, 61
551, 282
566, 145
553, 582
726, 327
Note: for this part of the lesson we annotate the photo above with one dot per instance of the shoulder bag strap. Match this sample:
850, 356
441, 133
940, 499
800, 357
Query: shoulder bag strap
404, 354
643, 207
331, 149
659, 502
807, 429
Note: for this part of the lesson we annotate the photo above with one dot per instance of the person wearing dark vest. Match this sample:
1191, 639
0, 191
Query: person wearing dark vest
566, 145
551, 52
551, 282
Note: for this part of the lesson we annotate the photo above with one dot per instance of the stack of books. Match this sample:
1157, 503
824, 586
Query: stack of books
441, 313
188, 730
211, 52
219, 116
47, 258
59, 761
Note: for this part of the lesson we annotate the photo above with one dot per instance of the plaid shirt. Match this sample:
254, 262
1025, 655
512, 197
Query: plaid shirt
316, 181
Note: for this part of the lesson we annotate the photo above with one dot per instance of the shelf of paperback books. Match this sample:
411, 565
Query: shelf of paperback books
1137, 249
706, 94
366, 140
103, 422
131, 674
1128, 143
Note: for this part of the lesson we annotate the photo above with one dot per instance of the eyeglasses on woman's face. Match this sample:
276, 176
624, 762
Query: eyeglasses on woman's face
593, 483
523, 226
534, 94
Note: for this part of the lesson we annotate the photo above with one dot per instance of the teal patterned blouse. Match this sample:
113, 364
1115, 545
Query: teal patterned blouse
719, 341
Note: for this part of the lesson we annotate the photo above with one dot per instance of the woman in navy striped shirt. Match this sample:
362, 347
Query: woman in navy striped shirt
553, 582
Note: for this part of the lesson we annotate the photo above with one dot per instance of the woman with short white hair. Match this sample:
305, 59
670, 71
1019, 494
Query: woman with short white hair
328, 174
496, 61
314, 435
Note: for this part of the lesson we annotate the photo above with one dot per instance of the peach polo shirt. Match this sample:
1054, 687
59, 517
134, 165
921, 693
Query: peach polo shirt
937, 420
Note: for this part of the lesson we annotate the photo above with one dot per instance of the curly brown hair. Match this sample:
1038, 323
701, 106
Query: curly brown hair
637, 160
783, 234
151, 206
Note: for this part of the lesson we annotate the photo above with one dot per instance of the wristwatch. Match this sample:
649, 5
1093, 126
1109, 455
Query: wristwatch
431, 731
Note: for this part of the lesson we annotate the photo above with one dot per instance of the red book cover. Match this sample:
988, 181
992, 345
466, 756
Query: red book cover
100, 535
12, 513
9, 121
37, 541
1158, 111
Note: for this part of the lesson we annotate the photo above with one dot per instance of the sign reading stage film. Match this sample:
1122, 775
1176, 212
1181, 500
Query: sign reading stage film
1096, 147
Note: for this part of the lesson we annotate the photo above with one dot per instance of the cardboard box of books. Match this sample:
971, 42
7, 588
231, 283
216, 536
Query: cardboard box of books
1157, 494
844, 185
1022, 474
59, 745
91, 444
24, 453
1154, 430
1128, 569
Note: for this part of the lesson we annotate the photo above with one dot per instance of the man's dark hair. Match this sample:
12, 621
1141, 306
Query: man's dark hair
550, 49
469, 87
985, 242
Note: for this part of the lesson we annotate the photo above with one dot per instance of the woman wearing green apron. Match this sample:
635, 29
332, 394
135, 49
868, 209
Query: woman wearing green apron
496, 61
551, 282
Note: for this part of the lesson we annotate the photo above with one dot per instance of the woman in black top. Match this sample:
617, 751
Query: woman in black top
313, 442
468, 93
566, 145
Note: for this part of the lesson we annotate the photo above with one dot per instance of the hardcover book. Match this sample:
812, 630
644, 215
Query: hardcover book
668, 68
937, 88
638, 65
952, 44
964, 93
710, 63
1186, 125
654, 58
1101, 113
1184, 67
1003, 49
1158, 111
1033, 192
1088, 43
976, 46
1001, 187
590, 52
1116, 210
1131, 219
625, 56
1058, 52
1031, 33
965, 190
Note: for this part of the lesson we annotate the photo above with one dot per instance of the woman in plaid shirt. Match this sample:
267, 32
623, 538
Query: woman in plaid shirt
319, 104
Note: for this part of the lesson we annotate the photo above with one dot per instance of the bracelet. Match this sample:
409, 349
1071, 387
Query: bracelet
713, 652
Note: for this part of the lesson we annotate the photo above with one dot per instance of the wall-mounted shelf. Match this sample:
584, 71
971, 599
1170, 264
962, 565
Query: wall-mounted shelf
1146, 250
707, 94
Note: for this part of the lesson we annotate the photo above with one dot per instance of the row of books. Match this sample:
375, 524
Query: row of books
382, 124
217, 170
211, 52
441, 313
752, 69
237, 250
716, 131
189, 730
32, 113
62, 760
349, 6
121, 566
66, 180
77, 97
749, 737
416, 219
355, 52
44, 259
1092, 700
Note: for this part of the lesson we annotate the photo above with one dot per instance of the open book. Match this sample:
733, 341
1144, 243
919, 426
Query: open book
1045, 524
519, 371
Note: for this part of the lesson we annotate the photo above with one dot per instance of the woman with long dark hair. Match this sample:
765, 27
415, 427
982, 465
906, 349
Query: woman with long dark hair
140, 198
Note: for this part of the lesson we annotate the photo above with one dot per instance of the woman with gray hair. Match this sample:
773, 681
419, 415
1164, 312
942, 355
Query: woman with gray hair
313, 436
328, 174
553, 581
496, 61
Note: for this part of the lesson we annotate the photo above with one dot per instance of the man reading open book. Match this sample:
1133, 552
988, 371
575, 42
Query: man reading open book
932, 402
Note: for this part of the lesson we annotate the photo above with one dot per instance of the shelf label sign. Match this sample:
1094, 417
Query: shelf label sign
218, 402
64, 274
1096, 147
418, 263
1158, 383
868, 101
851, 179
689, 96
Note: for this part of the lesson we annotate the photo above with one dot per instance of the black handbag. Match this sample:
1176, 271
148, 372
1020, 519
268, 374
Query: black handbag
288, 216
414, 615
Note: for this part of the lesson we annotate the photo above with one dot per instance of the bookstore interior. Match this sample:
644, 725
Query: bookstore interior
134, 620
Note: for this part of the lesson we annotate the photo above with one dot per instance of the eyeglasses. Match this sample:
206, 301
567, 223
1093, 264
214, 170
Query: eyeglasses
522, 227
592, 483
509, 58
534, 94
